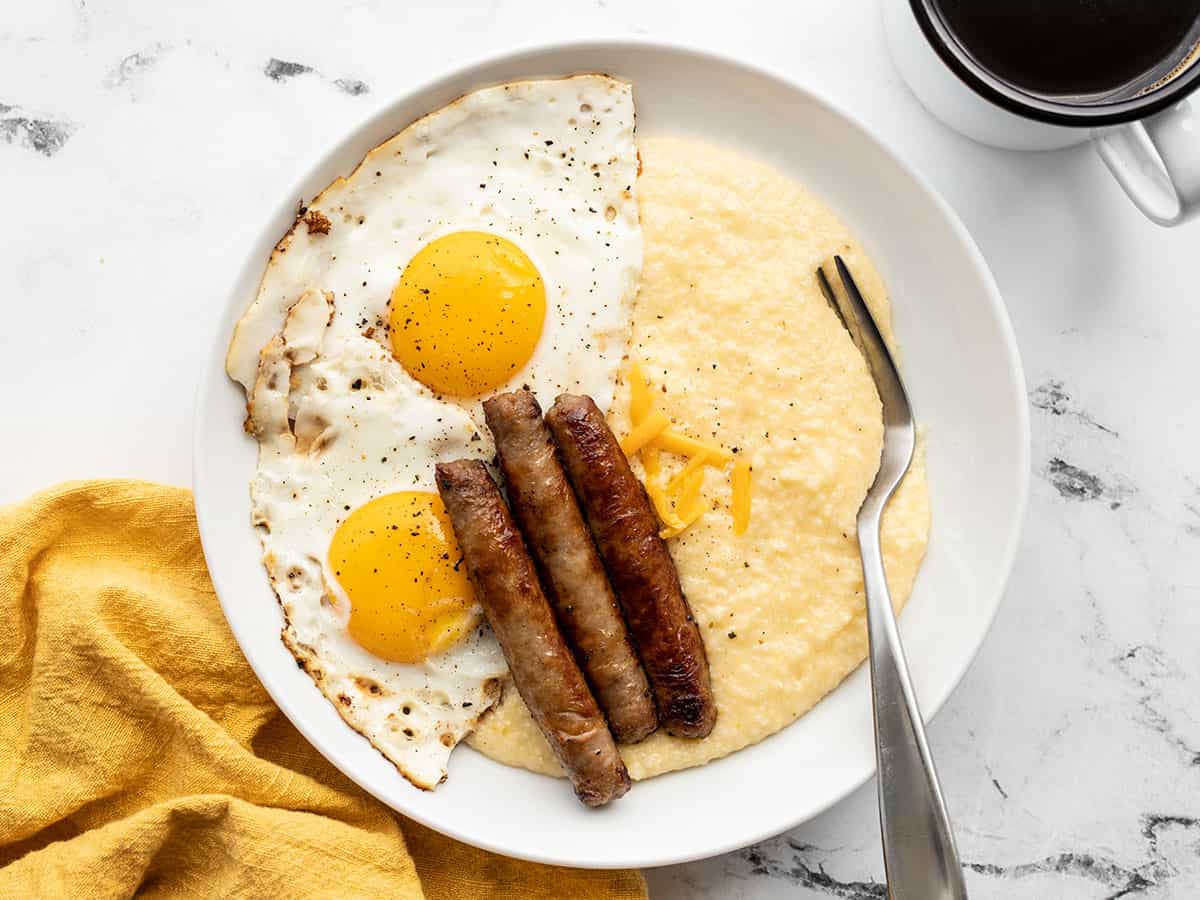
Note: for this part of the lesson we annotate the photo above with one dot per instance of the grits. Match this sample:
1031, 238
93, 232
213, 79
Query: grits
731, 325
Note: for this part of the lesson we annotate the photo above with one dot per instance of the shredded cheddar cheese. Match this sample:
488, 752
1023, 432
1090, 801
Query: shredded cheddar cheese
674, 524
679, 503
690, 505
650, 463
640, 401
689, 499
662, 505
674, 442
642, 434
693, 465
673, 530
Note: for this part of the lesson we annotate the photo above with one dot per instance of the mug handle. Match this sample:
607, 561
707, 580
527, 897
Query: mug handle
1157, 162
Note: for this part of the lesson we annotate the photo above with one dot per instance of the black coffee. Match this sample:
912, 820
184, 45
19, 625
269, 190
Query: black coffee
1065, 47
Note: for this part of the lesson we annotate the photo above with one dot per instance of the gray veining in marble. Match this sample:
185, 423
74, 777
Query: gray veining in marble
44, 135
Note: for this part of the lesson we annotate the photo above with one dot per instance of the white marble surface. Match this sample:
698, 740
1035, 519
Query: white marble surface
142, 142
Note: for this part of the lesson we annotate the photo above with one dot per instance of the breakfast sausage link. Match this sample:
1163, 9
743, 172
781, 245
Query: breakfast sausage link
639, 564
542, 666
545, 507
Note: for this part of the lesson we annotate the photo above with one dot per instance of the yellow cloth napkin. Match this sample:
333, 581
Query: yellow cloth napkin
139, 754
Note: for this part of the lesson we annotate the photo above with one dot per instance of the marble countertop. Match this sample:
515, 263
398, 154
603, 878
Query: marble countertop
142, 144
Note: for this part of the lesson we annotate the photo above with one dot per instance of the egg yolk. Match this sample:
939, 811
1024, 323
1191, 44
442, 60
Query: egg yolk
467, 313
399, 563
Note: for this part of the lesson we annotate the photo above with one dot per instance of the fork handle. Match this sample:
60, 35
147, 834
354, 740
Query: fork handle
919, 853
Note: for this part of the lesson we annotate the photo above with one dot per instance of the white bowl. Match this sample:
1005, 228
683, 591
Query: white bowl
961, 368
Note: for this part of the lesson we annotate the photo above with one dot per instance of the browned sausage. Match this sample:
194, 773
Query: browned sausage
572, 574
542, 666
639, 565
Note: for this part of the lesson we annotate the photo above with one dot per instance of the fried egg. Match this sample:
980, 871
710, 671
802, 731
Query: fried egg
357, 545
492, 244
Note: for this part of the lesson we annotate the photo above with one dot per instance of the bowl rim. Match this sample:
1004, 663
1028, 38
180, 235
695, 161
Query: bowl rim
472, 68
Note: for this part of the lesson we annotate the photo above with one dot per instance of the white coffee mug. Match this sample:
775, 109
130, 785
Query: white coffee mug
1150, 143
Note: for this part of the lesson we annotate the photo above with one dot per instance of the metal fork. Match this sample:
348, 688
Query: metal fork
919, 854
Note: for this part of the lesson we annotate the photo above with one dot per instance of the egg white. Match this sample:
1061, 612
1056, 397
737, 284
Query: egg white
359, 432
550, 165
